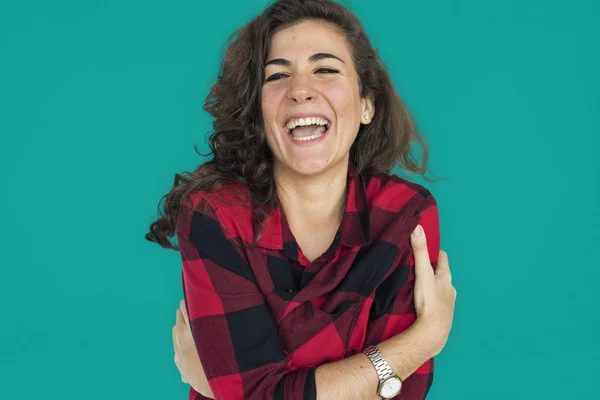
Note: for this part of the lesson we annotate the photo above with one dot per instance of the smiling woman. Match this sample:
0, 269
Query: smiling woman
298, 268
301, 85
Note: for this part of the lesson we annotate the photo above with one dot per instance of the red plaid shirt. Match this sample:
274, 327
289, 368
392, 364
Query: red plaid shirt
263, 317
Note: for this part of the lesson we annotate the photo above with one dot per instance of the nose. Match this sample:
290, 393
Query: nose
301, 90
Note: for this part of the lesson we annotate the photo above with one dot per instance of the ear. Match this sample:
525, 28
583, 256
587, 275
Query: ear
367, 110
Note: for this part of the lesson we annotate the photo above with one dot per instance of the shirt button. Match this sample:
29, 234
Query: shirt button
291, 290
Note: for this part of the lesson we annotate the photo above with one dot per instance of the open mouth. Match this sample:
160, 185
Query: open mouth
305, 129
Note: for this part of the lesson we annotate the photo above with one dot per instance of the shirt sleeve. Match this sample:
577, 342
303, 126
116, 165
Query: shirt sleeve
233, 328
393, 309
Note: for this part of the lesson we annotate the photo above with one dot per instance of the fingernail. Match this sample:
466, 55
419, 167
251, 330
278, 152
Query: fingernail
418, 231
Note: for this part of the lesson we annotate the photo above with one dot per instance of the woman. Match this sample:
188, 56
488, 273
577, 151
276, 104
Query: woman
298, 272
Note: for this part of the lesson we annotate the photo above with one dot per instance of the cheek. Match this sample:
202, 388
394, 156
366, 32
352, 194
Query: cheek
344, 100
271, 98
269, 107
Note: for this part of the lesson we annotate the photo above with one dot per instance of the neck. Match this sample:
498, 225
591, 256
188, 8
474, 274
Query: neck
317, 200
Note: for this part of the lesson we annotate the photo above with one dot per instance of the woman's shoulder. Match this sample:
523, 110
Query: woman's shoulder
393, 192
231, 200
229, 205
226, 196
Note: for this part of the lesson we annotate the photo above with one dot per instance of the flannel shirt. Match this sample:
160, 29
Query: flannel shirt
263, 317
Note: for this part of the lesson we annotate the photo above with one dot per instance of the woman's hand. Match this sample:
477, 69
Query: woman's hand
186, 355
434, 295
434, 298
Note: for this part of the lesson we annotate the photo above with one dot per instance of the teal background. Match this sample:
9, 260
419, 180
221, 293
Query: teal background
100, 105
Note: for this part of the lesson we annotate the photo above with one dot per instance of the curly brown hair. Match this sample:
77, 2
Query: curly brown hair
237, 143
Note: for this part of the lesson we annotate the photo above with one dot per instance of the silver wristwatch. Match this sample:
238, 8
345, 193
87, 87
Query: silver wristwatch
390, 384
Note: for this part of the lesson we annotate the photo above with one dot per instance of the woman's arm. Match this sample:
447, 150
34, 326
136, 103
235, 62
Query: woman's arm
404, 348
393, 308
233, 329
253, 351
355, 377
405, 352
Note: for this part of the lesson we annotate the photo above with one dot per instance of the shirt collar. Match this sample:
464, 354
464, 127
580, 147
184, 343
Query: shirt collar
354, 231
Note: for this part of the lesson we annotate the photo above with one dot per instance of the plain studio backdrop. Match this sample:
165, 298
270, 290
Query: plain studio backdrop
101, 104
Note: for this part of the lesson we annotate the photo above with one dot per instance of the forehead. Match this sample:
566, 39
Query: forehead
309, 37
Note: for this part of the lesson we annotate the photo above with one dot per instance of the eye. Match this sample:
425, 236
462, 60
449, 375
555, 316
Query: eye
327, 71
275, 77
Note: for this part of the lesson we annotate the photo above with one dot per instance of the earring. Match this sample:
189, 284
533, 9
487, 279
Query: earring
366, 116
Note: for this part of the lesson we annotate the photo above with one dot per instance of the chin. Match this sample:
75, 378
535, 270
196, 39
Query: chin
311, 167
311, 170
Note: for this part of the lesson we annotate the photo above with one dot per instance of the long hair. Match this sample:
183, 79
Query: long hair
238, 145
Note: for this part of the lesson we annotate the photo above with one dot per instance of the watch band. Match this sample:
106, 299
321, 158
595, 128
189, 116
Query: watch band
383, 369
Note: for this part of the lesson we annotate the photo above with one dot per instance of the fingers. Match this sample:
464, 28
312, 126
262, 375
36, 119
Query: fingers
175, 338
177, 344
184, 312
423, 268
443, 266
179, 366
179, 318
181, 323
442, 263
443, 259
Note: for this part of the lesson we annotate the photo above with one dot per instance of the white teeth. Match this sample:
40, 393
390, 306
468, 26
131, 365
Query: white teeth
306, 121
312, 137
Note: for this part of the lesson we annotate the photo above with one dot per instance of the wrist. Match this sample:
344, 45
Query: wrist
429, 335
408, 350
390, 384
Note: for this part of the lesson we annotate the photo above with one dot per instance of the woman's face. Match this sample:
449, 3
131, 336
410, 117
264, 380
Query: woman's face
311, 105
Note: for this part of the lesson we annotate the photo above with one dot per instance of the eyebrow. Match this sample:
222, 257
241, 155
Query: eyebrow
313, 58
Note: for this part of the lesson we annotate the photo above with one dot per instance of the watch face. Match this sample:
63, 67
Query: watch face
391, 387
